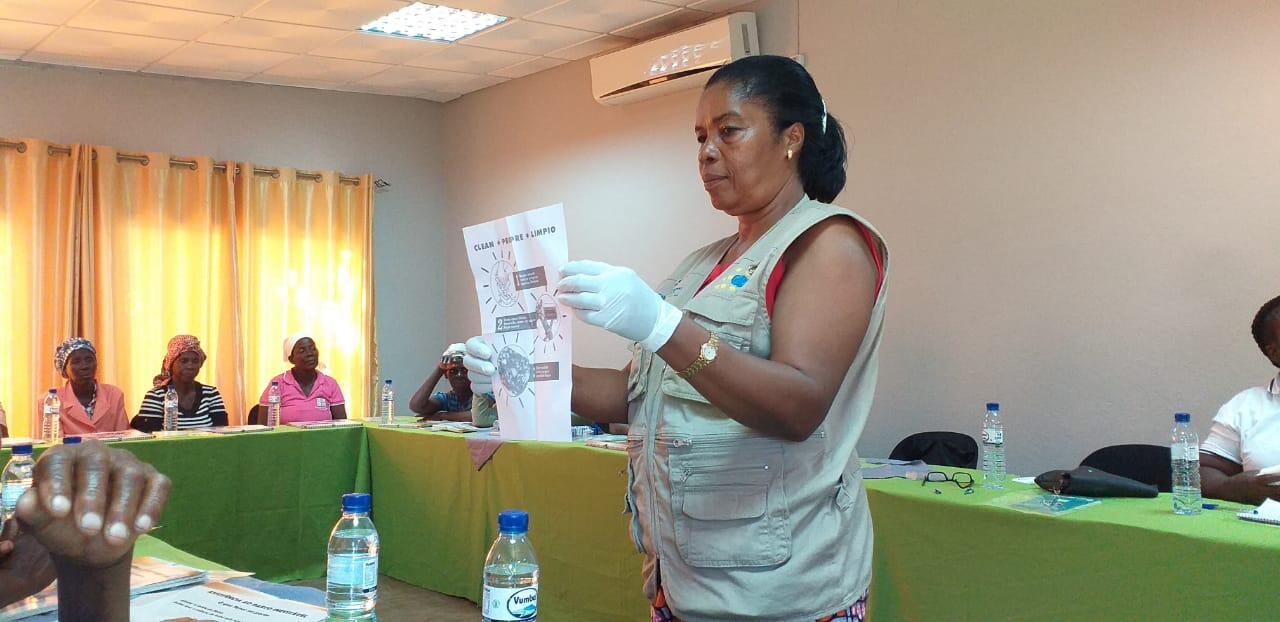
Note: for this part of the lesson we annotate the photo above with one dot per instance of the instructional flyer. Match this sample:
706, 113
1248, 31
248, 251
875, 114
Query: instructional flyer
516, 264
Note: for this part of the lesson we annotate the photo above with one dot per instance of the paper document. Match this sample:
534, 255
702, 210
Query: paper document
146, 576
516, 264
222, 602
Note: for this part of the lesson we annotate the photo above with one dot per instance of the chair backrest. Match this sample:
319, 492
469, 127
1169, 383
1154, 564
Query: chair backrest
254, 414
951, 449
1149, 464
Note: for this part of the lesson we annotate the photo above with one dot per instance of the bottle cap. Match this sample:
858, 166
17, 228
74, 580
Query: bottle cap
275, 383
1182, 417
53, 391
388, 382
357, 503
71, 440
993, 406
22, 450
513, 521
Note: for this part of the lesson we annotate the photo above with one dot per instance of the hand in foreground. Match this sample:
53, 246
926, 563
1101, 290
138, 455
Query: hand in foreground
619, 301
25, 566
1259, 488
88, 503
479, 363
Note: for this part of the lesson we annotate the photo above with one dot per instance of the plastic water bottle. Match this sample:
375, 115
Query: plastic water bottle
51, 420
1185, 452
171, 409
510, 572
992, 448
16, 478
351, 584
388, 403
71, 440
273, 404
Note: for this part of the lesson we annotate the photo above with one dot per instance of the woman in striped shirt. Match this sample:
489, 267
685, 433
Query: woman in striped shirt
199, 405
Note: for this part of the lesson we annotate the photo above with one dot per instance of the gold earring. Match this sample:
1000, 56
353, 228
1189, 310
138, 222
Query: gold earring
789, 154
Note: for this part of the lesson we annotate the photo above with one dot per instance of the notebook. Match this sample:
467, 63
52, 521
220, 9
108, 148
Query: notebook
1268, 512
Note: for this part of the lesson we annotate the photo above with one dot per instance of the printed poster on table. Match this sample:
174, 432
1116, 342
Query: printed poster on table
516, 264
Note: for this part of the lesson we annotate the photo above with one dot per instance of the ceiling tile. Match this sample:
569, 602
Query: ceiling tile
531, 67
678, 19
18, 37
143, 19
377, 90
717, 6
600, 15
439, 97
470, 59
327, 69
477, 83
529, 38
598, 45
377, 48
509, 8
224, 7
54, 12
90, 48
263, 35
344, 14
307, 83
403, 77
223, 62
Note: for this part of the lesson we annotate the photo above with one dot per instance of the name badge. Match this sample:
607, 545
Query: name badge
321, 402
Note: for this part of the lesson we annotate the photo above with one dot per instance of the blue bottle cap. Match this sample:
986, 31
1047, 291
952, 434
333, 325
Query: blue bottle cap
1182, 417
993, 406
53, 391
513, 521
22, 450
357, 503
71, 440
388, 382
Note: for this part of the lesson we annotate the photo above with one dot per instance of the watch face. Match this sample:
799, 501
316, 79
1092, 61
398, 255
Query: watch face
708, 352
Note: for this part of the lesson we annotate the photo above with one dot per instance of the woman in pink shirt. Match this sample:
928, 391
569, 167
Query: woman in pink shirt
88, 406
305, 393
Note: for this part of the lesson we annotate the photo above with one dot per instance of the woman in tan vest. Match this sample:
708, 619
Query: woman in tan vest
752, 372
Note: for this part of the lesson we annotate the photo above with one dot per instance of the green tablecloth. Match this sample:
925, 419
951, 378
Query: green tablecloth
261, 503
945, 556
148, 546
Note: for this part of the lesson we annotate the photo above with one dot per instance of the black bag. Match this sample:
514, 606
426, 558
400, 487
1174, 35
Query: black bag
1090, 482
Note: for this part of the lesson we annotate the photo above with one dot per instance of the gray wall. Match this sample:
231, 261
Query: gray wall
1080, 201
392, 137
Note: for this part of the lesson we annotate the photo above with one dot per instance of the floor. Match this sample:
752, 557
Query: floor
400, 602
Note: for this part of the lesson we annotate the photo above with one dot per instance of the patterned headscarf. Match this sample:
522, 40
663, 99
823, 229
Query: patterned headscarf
65, 349
177, 347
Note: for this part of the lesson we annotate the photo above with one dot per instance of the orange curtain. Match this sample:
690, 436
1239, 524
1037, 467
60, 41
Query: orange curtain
307, 251
161, 258
40, 196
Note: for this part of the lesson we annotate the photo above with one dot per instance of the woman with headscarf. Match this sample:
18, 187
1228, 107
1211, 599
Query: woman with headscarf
305, 393
199, 405
88, 406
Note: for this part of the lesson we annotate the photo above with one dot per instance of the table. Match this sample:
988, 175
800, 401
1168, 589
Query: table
262, 502
946, 556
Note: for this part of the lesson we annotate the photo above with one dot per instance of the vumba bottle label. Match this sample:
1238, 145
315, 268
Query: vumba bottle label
993, 436
510, 603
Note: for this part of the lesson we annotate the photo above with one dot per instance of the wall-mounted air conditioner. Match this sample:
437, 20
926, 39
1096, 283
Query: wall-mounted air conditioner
674, 62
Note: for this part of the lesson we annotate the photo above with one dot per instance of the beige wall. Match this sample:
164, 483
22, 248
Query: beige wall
394, 138
1081, 201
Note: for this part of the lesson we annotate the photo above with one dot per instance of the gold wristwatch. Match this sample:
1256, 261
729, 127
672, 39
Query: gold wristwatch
706, 356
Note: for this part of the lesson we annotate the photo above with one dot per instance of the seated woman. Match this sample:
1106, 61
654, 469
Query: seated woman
305, 393
4, 423
199, 405
454, 405
1245, 435
88, 406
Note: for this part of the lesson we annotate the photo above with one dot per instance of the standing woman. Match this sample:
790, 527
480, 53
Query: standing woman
88, 406
753, 369
199, 405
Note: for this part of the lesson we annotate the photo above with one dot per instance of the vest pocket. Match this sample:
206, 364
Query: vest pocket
729, 507
640, 360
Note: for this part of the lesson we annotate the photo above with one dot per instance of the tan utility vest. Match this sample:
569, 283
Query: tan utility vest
743, 525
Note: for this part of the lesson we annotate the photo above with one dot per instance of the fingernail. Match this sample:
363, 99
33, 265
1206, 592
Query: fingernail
143, 523
118, 531
91, 522
60, 506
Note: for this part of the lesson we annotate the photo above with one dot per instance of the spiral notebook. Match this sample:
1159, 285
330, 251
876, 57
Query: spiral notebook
1268, 512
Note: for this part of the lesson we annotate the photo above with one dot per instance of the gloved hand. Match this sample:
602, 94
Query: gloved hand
479, 363
619, 301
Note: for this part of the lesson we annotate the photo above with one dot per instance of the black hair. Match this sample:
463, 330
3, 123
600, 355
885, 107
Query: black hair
789, 94
1263, 320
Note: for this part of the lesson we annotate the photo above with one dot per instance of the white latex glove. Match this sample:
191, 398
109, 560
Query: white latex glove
619, 301
479, 363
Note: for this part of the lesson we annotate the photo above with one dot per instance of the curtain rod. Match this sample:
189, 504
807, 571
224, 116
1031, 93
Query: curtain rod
21, 147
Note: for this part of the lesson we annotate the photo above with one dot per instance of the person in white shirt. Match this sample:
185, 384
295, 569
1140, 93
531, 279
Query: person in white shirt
1245, 435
